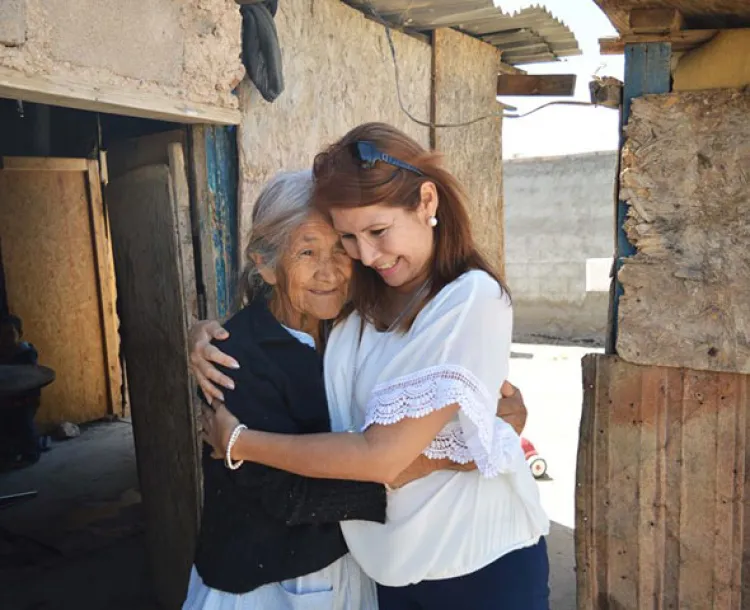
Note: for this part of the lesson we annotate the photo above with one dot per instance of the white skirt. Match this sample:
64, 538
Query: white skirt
340, 586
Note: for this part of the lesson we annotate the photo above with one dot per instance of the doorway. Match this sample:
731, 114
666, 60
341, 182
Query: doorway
105, 257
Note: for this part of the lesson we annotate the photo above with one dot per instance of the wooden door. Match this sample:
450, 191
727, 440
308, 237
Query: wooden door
149, 207
59, 279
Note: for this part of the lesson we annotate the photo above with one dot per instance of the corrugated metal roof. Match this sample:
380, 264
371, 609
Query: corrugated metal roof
531, 35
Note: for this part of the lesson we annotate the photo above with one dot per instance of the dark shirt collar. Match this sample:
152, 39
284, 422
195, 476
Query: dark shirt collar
266, 328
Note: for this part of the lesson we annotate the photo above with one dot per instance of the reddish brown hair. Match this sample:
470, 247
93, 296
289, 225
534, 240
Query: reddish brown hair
341, 182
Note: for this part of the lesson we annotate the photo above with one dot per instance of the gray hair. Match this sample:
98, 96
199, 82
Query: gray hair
282, 206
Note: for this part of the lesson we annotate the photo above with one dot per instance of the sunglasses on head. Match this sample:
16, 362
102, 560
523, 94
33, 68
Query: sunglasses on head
368, 155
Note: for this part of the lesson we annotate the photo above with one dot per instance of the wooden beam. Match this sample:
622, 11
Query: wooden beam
35, 164
105, 281
508, 69
655, 20
684, 40
536, 84
114, 100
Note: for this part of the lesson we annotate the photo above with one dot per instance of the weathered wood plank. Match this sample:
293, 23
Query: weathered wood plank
105, 278
50, 273
666, 527
624, 457
698, 496
697, 13
683, 40
655, 20
586, 569
536, 84
685, 180
114, 100
46, 164
148, 246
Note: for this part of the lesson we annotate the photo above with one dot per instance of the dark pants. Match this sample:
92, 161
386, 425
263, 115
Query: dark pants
516, 581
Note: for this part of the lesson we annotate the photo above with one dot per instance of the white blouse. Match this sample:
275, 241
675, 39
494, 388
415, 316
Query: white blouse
449, 523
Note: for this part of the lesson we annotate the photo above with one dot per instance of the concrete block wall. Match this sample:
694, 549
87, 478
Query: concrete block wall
559, 214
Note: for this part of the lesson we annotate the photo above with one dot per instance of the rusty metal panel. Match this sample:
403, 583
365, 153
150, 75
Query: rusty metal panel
662, 488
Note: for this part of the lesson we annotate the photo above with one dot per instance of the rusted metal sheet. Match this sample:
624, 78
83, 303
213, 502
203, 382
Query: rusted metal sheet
531, 35
662, 507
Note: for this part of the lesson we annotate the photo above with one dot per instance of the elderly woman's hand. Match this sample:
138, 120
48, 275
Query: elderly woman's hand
203, 356
511, 407
217, 425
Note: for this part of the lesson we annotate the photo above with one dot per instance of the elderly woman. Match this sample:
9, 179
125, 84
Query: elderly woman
270, 539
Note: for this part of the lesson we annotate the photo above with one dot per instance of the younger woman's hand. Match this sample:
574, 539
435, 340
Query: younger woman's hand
204, 356
511, 407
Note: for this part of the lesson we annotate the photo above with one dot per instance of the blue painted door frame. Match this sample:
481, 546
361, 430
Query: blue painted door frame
222, 174
216, 216
647, 71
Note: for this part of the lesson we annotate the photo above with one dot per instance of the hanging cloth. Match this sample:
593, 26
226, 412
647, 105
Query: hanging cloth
260, 48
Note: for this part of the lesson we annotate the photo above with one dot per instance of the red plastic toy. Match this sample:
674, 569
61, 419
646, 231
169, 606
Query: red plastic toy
536, 462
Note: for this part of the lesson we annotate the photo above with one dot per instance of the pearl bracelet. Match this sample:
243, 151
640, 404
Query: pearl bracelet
232, 440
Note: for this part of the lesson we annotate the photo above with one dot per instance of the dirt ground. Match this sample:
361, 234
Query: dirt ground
79, 543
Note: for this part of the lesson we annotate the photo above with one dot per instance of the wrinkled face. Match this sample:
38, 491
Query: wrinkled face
396, 242
315, 270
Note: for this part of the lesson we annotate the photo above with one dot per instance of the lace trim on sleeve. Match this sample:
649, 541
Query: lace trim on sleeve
477, 436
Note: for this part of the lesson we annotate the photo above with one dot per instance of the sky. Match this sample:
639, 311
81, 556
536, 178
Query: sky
562, 130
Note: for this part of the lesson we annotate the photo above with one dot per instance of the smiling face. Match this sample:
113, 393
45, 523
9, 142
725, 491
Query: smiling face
395, 241
312, 277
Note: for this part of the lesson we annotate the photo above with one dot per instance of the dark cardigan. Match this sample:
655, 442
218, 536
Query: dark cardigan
260, 524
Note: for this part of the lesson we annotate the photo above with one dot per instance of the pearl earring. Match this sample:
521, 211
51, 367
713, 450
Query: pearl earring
432, 221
